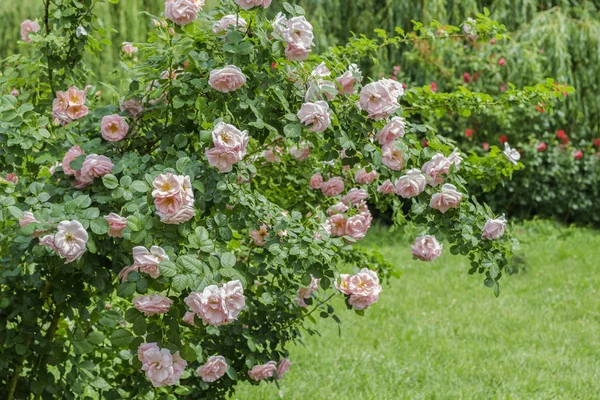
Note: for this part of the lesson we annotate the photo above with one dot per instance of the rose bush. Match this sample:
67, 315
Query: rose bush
174, 242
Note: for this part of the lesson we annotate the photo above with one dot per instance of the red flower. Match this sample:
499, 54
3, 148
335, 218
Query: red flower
501, 62
562, 136
597, 142
469, 133
467, 77
503, 139
540, 108
273, 65
425, 143
578, 155
485, 146
433, 86
541, 147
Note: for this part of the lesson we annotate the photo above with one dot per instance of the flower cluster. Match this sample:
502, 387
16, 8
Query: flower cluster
380, 98
265, 371
362, 288
146, 261
218, 305
173, 198
229, 147
297, 33
161, 367
351, 216
69, 106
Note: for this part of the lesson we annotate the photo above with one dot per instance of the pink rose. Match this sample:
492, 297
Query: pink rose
94, 166
306, 292
28, 26
227, 79
114, 127
70, 240
392, 157
27, 219
248, 4
411, 185
298, 35
294, 52
338, 224
129, 49
387, 187
315, 116
74, 96
166, 185
214, 368
131, 106
183, 12
349, 79
448, 198
221, 158
301, 153
494, 228
12, 178
124, 273
377, 100
426, 248
338, 208
218, 306
259, 235
48, 241
357, 226
333, 187
173, 198
355, 196
436, 168
363, 177
188, 318
184, 214
455, 158
316, 181
362, 288
391, 131
72, 154
152, 304
148, 260
260, 372
283, 368
233, 295
222, 26
161, 367
116, 224
272, 154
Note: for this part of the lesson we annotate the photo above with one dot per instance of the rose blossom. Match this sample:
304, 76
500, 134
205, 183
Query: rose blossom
161, 367
152, 304
221, 158
513, 155
188, 318
455, 158
233, 293
333, 187
183, 12
69, 241
221, 26
387, 187
435, 167
227, 79
214, 368
355, 196
494, 228
338, 224
316, 181
363, 177
357, 226
347, 81
94, 166
392, 157
300, 153
132, 106
426, 248
259, 235
12, 178
338, 208
316, 115
541, 147
283, 368
411, 184
363, 288
116, 224
391, 131
148, 260
272, 154
306, 292
173, 198
27, 219
69, 106
166, 185
260, 372
377, 98
297, 32
218, 305
226, 136
129, 49
448, 198
114, 127
28, 26
248, 4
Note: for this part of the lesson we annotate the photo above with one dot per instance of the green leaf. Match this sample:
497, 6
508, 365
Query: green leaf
292, 130
96, 338
134, 223
126, 289
99, 226
190, 264
110, 181
121, 338
167, 268
228, 260
188, 353
182, 282
16, 212
139, 186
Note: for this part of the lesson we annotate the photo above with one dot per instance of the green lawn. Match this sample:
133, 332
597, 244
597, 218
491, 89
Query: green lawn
438, 333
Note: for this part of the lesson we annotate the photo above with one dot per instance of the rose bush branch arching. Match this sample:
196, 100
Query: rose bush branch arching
173, 243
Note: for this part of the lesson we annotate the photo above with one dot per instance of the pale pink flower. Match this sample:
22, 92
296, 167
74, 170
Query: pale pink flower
298, 35
411, 185
233, 295
338, 224
426, 248
77, 112
283, 368
226, 136
221, 26
188, 318
387, 187
70, 240
393, 158
295, 52
116, 224
436, 168
363, 177
393, 130
166, 185
148, 260
248, 4
448, 198
27, 219
153, 304
300, 153
259, 235
75, 96
338, 208
48, 241
94, 166
357, 226
221, 158
494, 228
315, 116
131, 106
214, 368
365, 289
183, 12
218, 306
12, 178
272, 154
377, 100
306, 292
129, 49
395, 88
126, 270
114, 127
264, 371
183, 214
280, 24
161, 367
316, 181
227, 79
28, 26
333, 187
349, 79
355, 196
513, 155
455, 158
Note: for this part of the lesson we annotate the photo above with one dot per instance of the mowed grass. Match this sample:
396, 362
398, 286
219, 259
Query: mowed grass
438, 333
